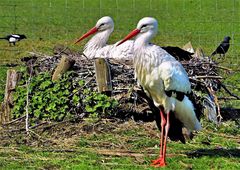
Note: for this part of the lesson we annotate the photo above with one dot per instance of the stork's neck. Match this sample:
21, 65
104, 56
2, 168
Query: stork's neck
143, 39
98, 41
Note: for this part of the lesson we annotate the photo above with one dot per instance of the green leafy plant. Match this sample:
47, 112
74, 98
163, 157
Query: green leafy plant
98, 103
57, 100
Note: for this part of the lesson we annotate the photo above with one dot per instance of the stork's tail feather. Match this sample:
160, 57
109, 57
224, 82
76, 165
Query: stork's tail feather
186, 114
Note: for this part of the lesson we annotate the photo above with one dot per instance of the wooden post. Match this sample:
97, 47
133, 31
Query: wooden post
103, 76
199, 53
62, 67
11, 83
188, 47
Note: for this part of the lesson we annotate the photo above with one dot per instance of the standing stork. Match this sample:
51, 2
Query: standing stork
97, 46
164, 80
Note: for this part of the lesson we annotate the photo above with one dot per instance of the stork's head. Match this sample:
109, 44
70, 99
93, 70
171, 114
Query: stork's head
146, 29
103, 24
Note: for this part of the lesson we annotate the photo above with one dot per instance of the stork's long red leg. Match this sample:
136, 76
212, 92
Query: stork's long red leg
161, 160
163, 123
166, 136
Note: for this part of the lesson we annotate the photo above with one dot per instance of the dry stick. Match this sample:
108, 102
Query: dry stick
37, 125
202, 77
216, 102
228, 91
27, 105
27, 102
228, 98
15, 120
224, 68
38, 136
48, 124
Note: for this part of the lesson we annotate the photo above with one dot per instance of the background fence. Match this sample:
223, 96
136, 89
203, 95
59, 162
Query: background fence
202, 22
50, 22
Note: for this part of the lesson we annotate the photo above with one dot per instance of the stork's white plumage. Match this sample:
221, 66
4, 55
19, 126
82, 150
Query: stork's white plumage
164, 79
97, 46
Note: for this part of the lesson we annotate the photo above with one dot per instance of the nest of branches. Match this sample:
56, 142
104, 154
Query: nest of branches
203, 74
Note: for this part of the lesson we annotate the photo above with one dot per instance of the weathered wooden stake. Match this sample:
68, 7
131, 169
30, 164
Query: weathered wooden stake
199, 53
188, 47
11, 83
62, 67
103, 76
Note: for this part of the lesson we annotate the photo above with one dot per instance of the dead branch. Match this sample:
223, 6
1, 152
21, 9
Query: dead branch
15, 120
229, 92
206, 77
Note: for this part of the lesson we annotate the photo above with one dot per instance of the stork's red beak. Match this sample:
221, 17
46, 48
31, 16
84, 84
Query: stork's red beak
90, 32
130, 35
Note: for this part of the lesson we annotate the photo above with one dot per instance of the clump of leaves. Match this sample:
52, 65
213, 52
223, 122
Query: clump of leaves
56, 100
98, 103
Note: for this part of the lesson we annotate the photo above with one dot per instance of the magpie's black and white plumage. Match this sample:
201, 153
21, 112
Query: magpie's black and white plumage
223, 47
13, 38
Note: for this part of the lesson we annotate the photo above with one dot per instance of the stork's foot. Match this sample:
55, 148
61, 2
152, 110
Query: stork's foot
160, 162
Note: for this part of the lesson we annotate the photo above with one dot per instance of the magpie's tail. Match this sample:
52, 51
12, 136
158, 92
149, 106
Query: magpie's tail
214, 53
3, 38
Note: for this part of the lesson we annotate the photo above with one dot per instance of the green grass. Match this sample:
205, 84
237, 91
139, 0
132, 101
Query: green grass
202, 22
99, 149
50, 22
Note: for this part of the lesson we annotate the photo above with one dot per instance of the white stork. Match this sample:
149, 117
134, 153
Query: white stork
163, 79
97, 46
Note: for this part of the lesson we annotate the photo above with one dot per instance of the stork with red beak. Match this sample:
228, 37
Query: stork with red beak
164, 80
97, 46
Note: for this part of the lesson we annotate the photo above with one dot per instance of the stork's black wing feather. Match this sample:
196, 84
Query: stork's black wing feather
178, 53
175, 131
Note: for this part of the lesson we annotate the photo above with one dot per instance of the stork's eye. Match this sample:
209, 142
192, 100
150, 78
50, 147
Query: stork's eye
101, 25
143, 26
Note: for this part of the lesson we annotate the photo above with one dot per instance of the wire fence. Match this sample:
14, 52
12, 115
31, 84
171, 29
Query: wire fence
202, 22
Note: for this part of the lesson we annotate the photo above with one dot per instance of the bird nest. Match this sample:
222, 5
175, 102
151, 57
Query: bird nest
203, 74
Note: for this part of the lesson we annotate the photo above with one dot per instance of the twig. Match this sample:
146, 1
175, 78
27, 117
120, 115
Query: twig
27, 104
224, 68
228, 91
228, 98
37, 125
206, 77
15, 120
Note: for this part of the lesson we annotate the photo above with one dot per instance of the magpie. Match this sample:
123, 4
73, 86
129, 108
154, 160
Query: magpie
13, 38
223, 47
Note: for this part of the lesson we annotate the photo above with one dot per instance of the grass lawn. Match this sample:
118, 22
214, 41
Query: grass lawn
47, 22
126, 145
115, 145
50, 22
